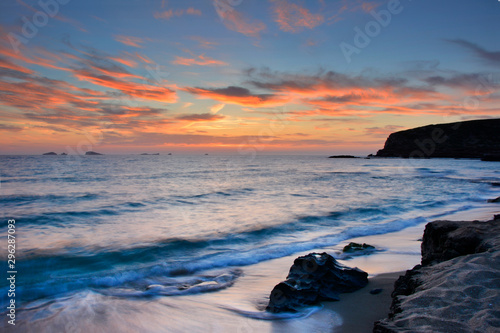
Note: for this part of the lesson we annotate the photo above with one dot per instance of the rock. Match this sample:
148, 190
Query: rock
314, 278
356, 247
491, 158
454, 288
342, 156
467, 139
92, 153
496, 217
376, 291
64, 154
494, 200
51, 153
445, 240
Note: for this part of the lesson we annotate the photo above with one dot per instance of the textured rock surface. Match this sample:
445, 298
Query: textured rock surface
468, 139
457, 289
314, 278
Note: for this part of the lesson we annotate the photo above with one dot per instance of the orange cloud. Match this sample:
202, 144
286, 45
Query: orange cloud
129, 40
126, 62
236, 21
201, 61
168, 14
200, 117
143, 91
293, 18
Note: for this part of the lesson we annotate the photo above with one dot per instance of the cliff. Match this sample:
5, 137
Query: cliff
466, 139
457, 287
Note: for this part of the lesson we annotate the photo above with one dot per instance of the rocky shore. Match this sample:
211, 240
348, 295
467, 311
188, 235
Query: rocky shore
457, 286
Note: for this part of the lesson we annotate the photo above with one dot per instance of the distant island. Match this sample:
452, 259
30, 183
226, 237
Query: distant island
51, 153
150, 154
342, 156
466, 139
92, 153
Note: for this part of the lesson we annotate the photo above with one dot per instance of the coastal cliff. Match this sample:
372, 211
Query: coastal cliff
457, 287
467, 139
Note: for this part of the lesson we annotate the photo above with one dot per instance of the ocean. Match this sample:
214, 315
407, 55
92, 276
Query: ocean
128, 243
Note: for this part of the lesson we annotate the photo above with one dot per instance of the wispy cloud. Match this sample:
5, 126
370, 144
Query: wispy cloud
293, 18
238, 95
168, 14
200, 117
492, 57
236, 21
130, 40
201, 60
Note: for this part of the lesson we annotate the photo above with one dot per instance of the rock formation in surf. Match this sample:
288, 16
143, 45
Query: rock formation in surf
314, 278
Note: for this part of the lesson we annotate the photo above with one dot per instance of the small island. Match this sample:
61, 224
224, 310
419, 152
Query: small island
50, 154
342, 156
155, 154
92, 153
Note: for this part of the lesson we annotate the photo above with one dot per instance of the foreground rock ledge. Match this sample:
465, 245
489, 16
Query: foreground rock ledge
314, 278
457, 287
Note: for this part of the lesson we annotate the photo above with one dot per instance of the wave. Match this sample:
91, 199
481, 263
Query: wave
172, 267
264, 315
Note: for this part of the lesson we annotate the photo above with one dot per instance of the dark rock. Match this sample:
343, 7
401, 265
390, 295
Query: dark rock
356, 247
92, 153
494, 200
491, 158
447, 248
496, 217
155, 154
51, 153
64, 154
445, 240
342, 156
467, 139
495, 184
376, 291
314, 278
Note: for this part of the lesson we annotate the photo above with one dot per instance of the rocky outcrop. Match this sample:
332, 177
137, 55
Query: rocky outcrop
92, 153
467, 139
342, 156
356, 247
457, 287
314, 278
50, 154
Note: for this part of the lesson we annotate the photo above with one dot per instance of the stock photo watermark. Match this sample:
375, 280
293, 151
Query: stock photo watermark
363, 37
31, 25
11, 271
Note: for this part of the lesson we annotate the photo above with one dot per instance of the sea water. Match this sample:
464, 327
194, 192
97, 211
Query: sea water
188, 243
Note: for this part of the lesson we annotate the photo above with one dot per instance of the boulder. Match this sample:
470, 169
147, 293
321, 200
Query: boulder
356, 247
494, 200
445, 240
314, 278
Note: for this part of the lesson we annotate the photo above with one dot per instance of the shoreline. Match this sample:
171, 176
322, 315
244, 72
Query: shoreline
360, 309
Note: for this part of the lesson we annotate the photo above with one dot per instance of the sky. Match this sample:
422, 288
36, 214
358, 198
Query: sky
240, 76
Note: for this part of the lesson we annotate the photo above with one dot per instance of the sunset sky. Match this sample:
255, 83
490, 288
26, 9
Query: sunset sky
239, 76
